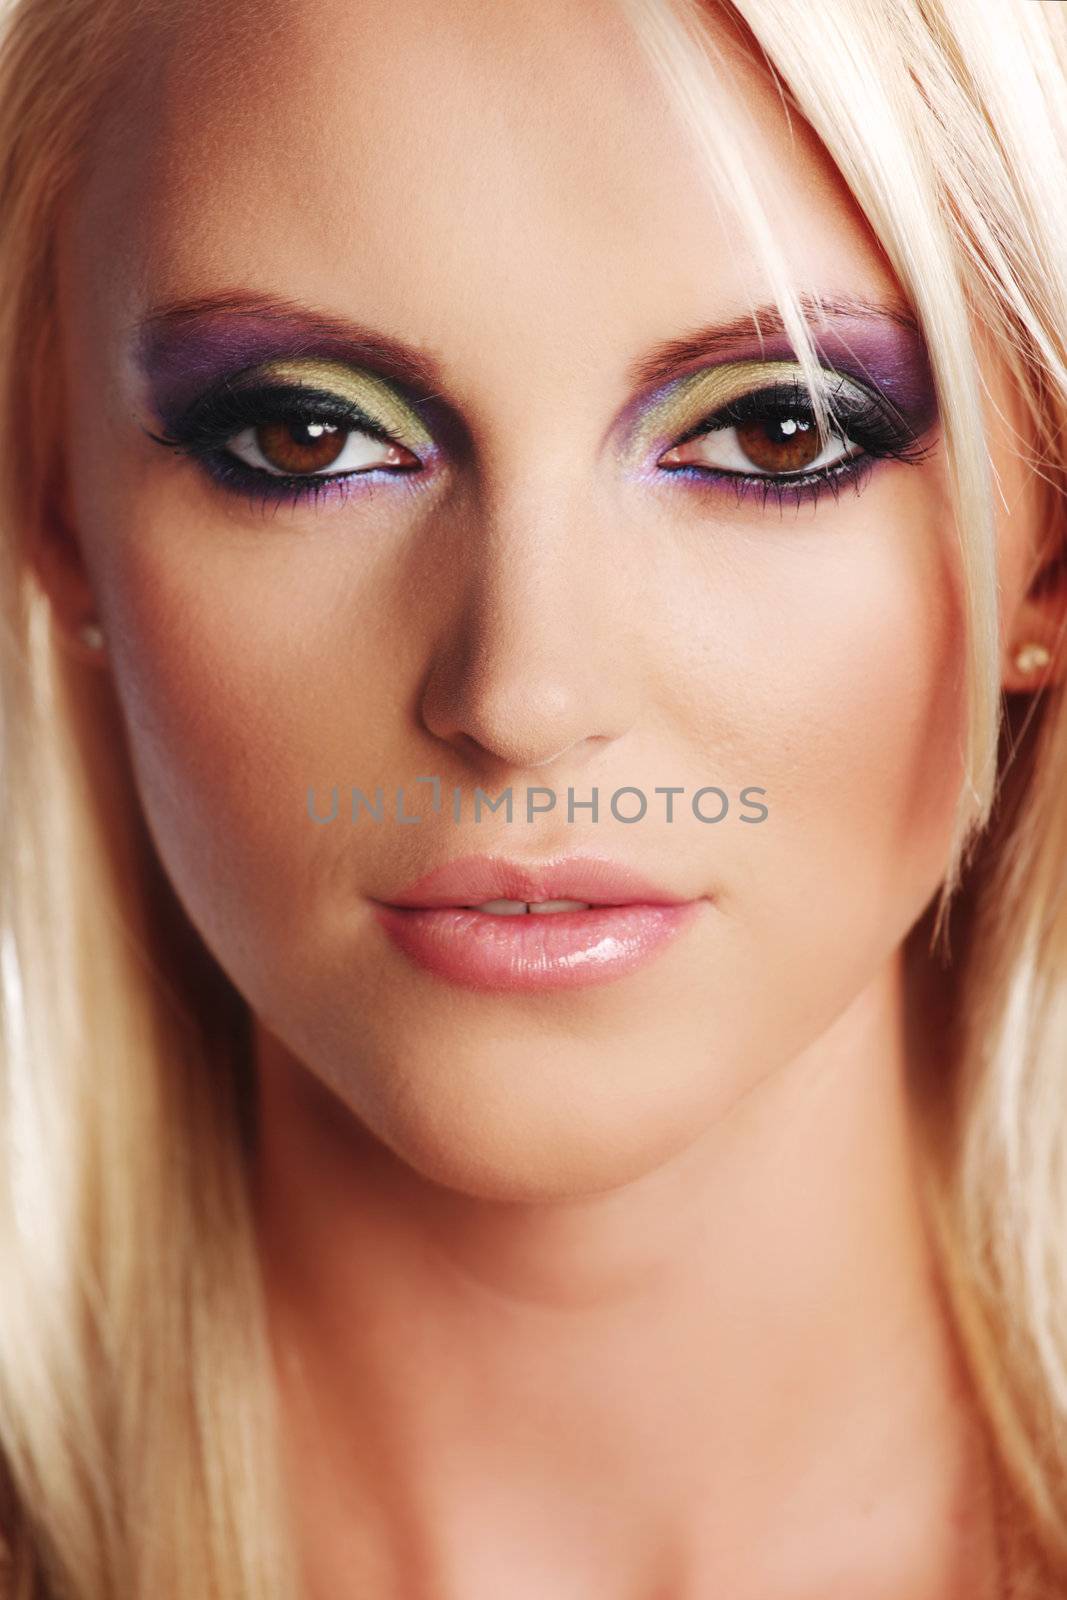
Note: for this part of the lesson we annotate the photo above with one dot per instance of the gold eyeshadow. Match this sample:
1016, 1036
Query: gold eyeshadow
885, 418
359, 388
687, 400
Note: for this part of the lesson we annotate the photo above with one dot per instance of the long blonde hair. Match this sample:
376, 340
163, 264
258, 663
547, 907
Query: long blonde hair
138, 1440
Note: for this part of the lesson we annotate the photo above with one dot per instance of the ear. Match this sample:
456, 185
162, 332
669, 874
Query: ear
1036, 637
58, 564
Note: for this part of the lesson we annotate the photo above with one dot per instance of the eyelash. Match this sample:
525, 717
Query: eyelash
203, 432
218, 416
881, 432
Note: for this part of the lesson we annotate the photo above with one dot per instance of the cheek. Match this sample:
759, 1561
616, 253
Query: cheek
865, 740
839, 651
244, 684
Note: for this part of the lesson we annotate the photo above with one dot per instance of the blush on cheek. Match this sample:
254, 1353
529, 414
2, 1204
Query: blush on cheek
862, 725
205, 743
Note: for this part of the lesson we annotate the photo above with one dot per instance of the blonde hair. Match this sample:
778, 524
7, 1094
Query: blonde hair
137, 1428
948, 122
135, 1408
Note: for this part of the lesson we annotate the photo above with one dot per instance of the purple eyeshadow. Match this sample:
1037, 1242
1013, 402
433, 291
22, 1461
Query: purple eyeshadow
184, 352
884, 356
180, 355
888, 358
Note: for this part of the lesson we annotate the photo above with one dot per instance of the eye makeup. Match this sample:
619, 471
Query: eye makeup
878, 386
365, 396
312, 393
881, 344
365, 393
237, 365
185, 346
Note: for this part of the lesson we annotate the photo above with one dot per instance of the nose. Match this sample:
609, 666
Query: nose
534, 666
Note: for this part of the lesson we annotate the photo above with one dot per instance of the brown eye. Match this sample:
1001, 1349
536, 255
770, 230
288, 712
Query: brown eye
766, 447
298, 446
786, 445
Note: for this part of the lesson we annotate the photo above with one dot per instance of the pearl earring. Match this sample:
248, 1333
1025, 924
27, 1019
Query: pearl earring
1031, 657
91, 634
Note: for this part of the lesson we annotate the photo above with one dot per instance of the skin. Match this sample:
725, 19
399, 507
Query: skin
624, 1292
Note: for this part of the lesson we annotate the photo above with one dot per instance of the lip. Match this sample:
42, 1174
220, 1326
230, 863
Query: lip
630, 921
471, 880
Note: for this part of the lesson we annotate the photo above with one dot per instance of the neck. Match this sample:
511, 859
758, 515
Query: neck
734, 1373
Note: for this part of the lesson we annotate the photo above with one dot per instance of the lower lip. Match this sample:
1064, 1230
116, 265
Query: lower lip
535, 951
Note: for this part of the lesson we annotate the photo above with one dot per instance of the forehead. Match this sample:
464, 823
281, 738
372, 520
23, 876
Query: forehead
512, 174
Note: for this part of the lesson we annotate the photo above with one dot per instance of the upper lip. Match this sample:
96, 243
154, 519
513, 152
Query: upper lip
472, 880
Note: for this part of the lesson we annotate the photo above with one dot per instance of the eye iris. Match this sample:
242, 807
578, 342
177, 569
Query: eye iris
784, 445
301, 446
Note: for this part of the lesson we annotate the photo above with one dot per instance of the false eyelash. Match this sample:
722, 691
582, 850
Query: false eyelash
225, 410
205, 428
863, 419
882, 433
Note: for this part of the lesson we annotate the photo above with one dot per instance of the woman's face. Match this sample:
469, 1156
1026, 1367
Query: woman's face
515, 588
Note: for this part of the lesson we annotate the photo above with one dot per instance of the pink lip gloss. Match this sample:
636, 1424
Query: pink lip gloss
537, 950
624, 924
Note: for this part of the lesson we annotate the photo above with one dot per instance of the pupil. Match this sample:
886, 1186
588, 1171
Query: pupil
785, 444
303, 432
299, 445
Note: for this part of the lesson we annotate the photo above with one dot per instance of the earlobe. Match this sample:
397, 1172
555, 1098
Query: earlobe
1036, 655
1029, 667
1031, 657
91, 635
56, 559
1036, 644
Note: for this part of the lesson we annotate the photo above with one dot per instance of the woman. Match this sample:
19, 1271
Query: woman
651, 418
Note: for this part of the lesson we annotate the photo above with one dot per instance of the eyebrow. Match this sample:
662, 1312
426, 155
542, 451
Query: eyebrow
664, 360
298, 328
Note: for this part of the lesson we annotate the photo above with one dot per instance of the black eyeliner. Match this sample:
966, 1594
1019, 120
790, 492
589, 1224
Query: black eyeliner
215, 417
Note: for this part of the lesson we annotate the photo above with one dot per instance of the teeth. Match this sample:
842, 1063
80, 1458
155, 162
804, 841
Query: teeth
519, 908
